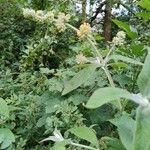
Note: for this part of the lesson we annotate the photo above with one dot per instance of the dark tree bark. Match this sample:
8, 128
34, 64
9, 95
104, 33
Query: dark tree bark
107, 21
84, 3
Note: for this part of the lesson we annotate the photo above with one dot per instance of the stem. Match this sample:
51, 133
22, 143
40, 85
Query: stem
110, 51
72, 27
104, 67
95, 49
83, 146
103, 62
109, 76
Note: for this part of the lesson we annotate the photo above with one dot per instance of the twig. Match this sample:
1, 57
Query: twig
83, 146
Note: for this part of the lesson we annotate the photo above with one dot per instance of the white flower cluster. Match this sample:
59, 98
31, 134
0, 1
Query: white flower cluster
42, 17
39, 15
81, 59
119, 39
28, 12
61, 20
84, 30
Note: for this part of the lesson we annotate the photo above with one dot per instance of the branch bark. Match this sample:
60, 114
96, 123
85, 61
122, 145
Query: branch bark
84, 3
107, 21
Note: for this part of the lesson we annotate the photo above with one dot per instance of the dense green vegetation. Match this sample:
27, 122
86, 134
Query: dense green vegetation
74, 78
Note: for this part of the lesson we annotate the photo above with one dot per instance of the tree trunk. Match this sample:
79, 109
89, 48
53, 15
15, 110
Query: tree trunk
84, 3
107, 20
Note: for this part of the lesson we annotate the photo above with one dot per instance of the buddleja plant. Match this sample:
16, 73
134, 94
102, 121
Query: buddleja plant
134, 134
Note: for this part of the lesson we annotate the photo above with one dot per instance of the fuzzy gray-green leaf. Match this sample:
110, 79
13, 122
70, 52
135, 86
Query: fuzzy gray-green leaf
142, 131
106, 95
144, 77
80, 78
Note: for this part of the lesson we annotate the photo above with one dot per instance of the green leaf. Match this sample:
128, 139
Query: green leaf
125, 126
8, 138
46, 71
145, 15
144, 77
106, 95
113, 143
142, 131
4, 108
145, 4
137, 49
131, 32
1, 138
51, 101
125, 59
80, 78
123, 79
42, 121
118, 65
85, 133
103, 115
59, 146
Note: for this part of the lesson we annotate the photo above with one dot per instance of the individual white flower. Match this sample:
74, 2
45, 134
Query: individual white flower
49, 16
28, 12
121, 34
60, 25
40, 16
61, 20
81, 59
119, 39
39, 13
63, 17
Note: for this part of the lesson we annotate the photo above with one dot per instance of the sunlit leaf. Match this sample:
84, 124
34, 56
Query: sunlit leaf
145, 4
145, 15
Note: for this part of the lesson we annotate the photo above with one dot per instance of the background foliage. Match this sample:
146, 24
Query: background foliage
44, 86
